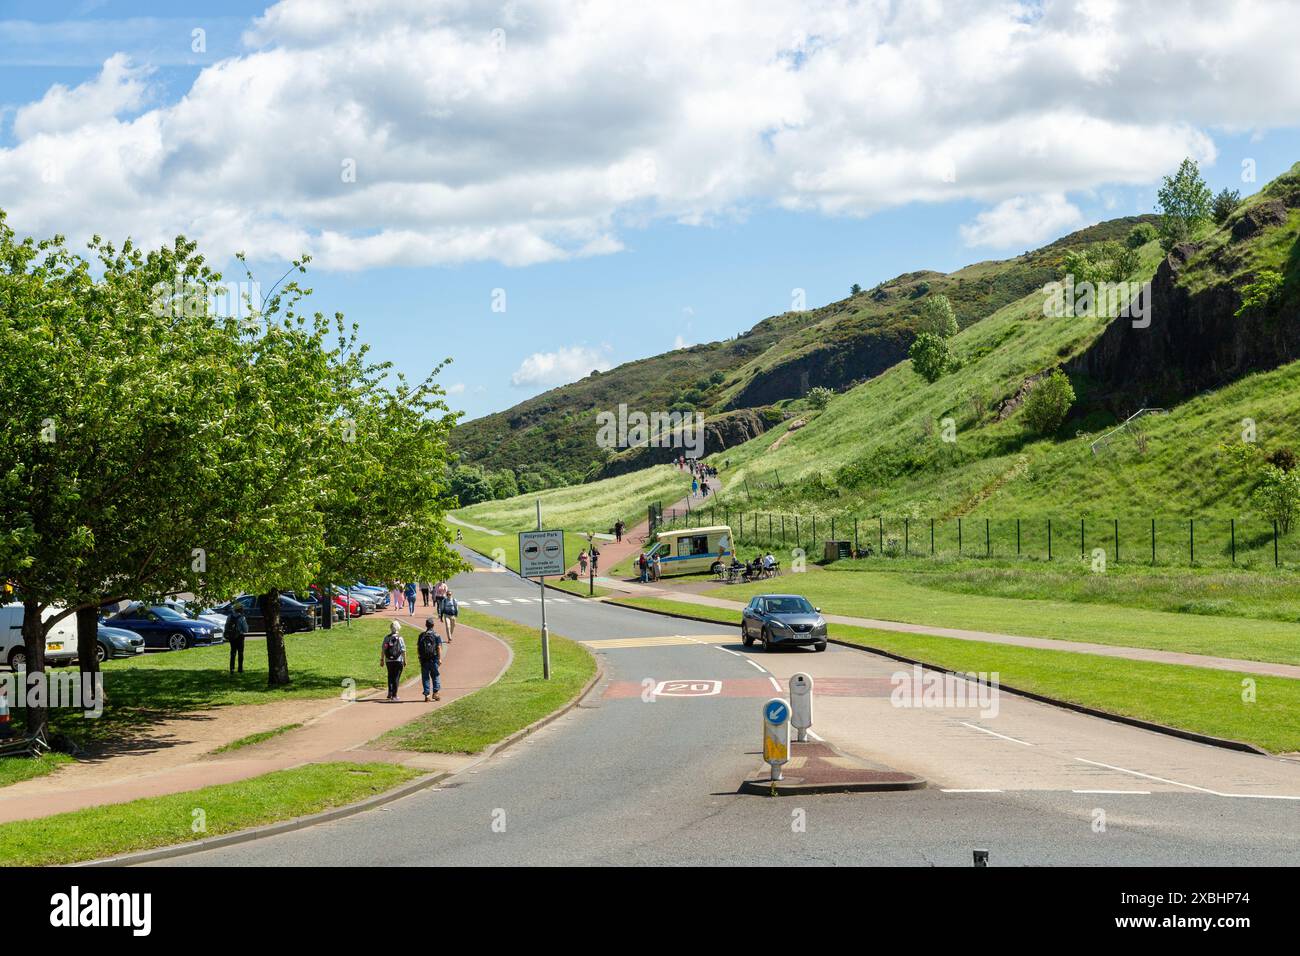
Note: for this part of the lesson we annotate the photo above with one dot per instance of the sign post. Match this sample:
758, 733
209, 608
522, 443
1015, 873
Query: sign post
776, 734
541, 553
801, 707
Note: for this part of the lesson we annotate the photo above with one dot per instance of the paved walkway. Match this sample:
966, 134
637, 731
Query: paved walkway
634, 539
1101, 650
332, 730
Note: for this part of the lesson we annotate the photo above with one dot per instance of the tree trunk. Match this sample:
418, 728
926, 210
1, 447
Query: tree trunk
277, 664
327, 606
87, 656
38, 716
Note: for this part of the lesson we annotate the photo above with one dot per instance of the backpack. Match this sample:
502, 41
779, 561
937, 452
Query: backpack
427, 646
392, 648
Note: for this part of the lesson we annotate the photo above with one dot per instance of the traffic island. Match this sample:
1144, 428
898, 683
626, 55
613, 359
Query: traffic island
817, 767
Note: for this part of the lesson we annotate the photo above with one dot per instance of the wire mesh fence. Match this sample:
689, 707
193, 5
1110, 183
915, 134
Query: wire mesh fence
1157, 541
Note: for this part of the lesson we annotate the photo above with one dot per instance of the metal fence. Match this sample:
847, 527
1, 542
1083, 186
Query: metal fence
1200, 541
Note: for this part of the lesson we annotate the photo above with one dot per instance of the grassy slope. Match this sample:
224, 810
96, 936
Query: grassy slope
518, 699
163, 821
1194, 698
557, 429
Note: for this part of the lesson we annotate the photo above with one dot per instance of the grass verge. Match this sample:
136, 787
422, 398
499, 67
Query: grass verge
165, 821
257, 738
579, 588
516, 700
17, 769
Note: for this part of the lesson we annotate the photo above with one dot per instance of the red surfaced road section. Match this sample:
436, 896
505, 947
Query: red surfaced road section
749, 687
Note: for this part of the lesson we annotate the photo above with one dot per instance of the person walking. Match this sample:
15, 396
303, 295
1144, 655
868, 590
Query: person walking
439, 595
595, 559
695, 487
582, 561
392, 655
410, 596
395, 596
429, 649
643, 566
235, 631
424, 593
618, 530
450, 611
656, 568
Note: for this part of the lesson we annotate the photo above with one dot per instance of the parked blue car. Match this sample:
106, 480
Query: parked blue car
163, 627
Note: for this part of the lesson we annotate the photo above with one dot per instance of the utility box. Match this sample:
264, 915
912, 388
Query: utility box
834, 550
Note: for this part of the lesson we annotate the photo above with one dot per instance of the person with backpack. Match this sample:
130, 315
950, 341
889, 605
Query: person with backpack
392, 655
450, 610
439, 595
235, 631
429, 648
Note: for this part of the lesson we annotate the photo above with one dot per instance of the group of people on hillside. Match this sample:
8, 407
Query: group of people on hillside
429, 645
700, 474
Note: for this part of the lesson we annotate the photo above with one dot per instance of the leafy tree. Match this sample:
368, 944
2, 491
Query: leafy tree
1261, 294
1048, 403
470, 486
1278, 495
855, 289
717, 377
930, 356
1140, 235
1225, 204
819, 396
937, 317
1184, 202
504, 484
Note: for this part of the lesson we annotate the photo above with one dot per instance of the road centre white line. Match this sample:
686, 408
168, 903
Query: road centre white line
1023, 743
1144, 793
973, 790
1189, 786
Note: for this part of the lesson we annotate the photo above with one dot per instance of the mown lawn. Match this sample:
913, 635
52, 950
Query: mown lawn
520, 697
894, 597
144, 824
1191, 698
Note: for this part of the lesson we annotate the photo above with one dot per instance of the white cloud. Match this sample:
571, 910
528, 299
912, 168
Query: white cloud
564, 365
456, 388
535, 130
1022, 221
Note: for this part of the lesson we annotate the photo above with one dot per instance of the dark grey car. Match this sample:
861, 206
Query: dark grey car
780, 620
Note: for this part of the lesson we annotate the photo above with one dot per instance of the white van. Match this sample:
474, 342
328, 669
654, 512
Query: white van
60, 642
692, 549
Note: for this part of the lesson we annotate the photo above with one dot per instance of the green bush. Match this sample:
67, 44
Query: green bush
930, 356
1140, 235
1048, 403
1262, 294
1225, 204
819, 396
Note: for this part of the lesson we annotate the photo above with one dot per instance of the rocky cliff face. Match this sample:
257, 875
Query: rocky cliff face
1195, 341
724, 431
834, 365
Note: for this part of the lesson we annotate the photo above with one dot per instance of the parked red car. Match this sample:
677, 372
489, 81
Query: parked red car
351, 605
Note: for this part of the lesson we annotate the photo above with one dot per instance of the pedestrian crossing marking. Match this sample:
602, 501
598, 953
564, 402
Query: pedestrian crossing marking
626, 643
482, 603
501, 600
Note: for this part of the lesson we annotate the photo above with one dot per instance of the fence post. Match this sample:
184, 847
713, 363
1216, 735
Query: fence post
881, 519
1117, 541
1049, 539
932, 537
832, 528
959, 537
1153, 542
855, 535
1191, 541
988, 542
1017, 537
1233, 530
1082, 538
1275, 542
907, 551
814, 533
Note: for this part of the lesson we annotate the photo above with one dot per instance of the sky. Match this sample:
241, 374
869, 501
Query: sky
538, 189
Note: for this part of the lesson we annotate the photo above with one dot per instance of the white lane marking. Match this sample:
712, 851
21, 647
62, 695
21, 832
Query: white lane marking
775, 685
756, 664
560, 600
1145, 793
481, 603
501, 600
815, 736
972, 790
524, 600
1189, 786
726, 651
1023, 743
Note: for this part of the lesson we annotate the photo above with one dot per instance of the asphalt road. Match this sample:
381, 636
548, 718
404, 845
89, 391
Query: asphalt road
637, 777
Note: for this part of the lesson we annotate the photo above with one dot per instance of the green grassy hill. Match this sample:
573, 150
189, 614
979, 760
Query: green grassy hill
776, 361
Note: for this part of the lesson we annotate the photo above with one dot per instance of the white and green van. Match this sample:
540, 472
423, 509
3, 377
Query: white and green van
692, 550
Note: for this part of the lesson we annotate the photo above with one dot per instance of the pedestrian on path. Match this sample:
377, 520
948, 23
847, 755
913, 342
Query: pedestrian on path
392, 655
424, 593
236, 630
643, 565
656, 569
582, 561
439, 595
429, 648
695, 487
410, 596
395, 595
618, 530
450, 611
595, 559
